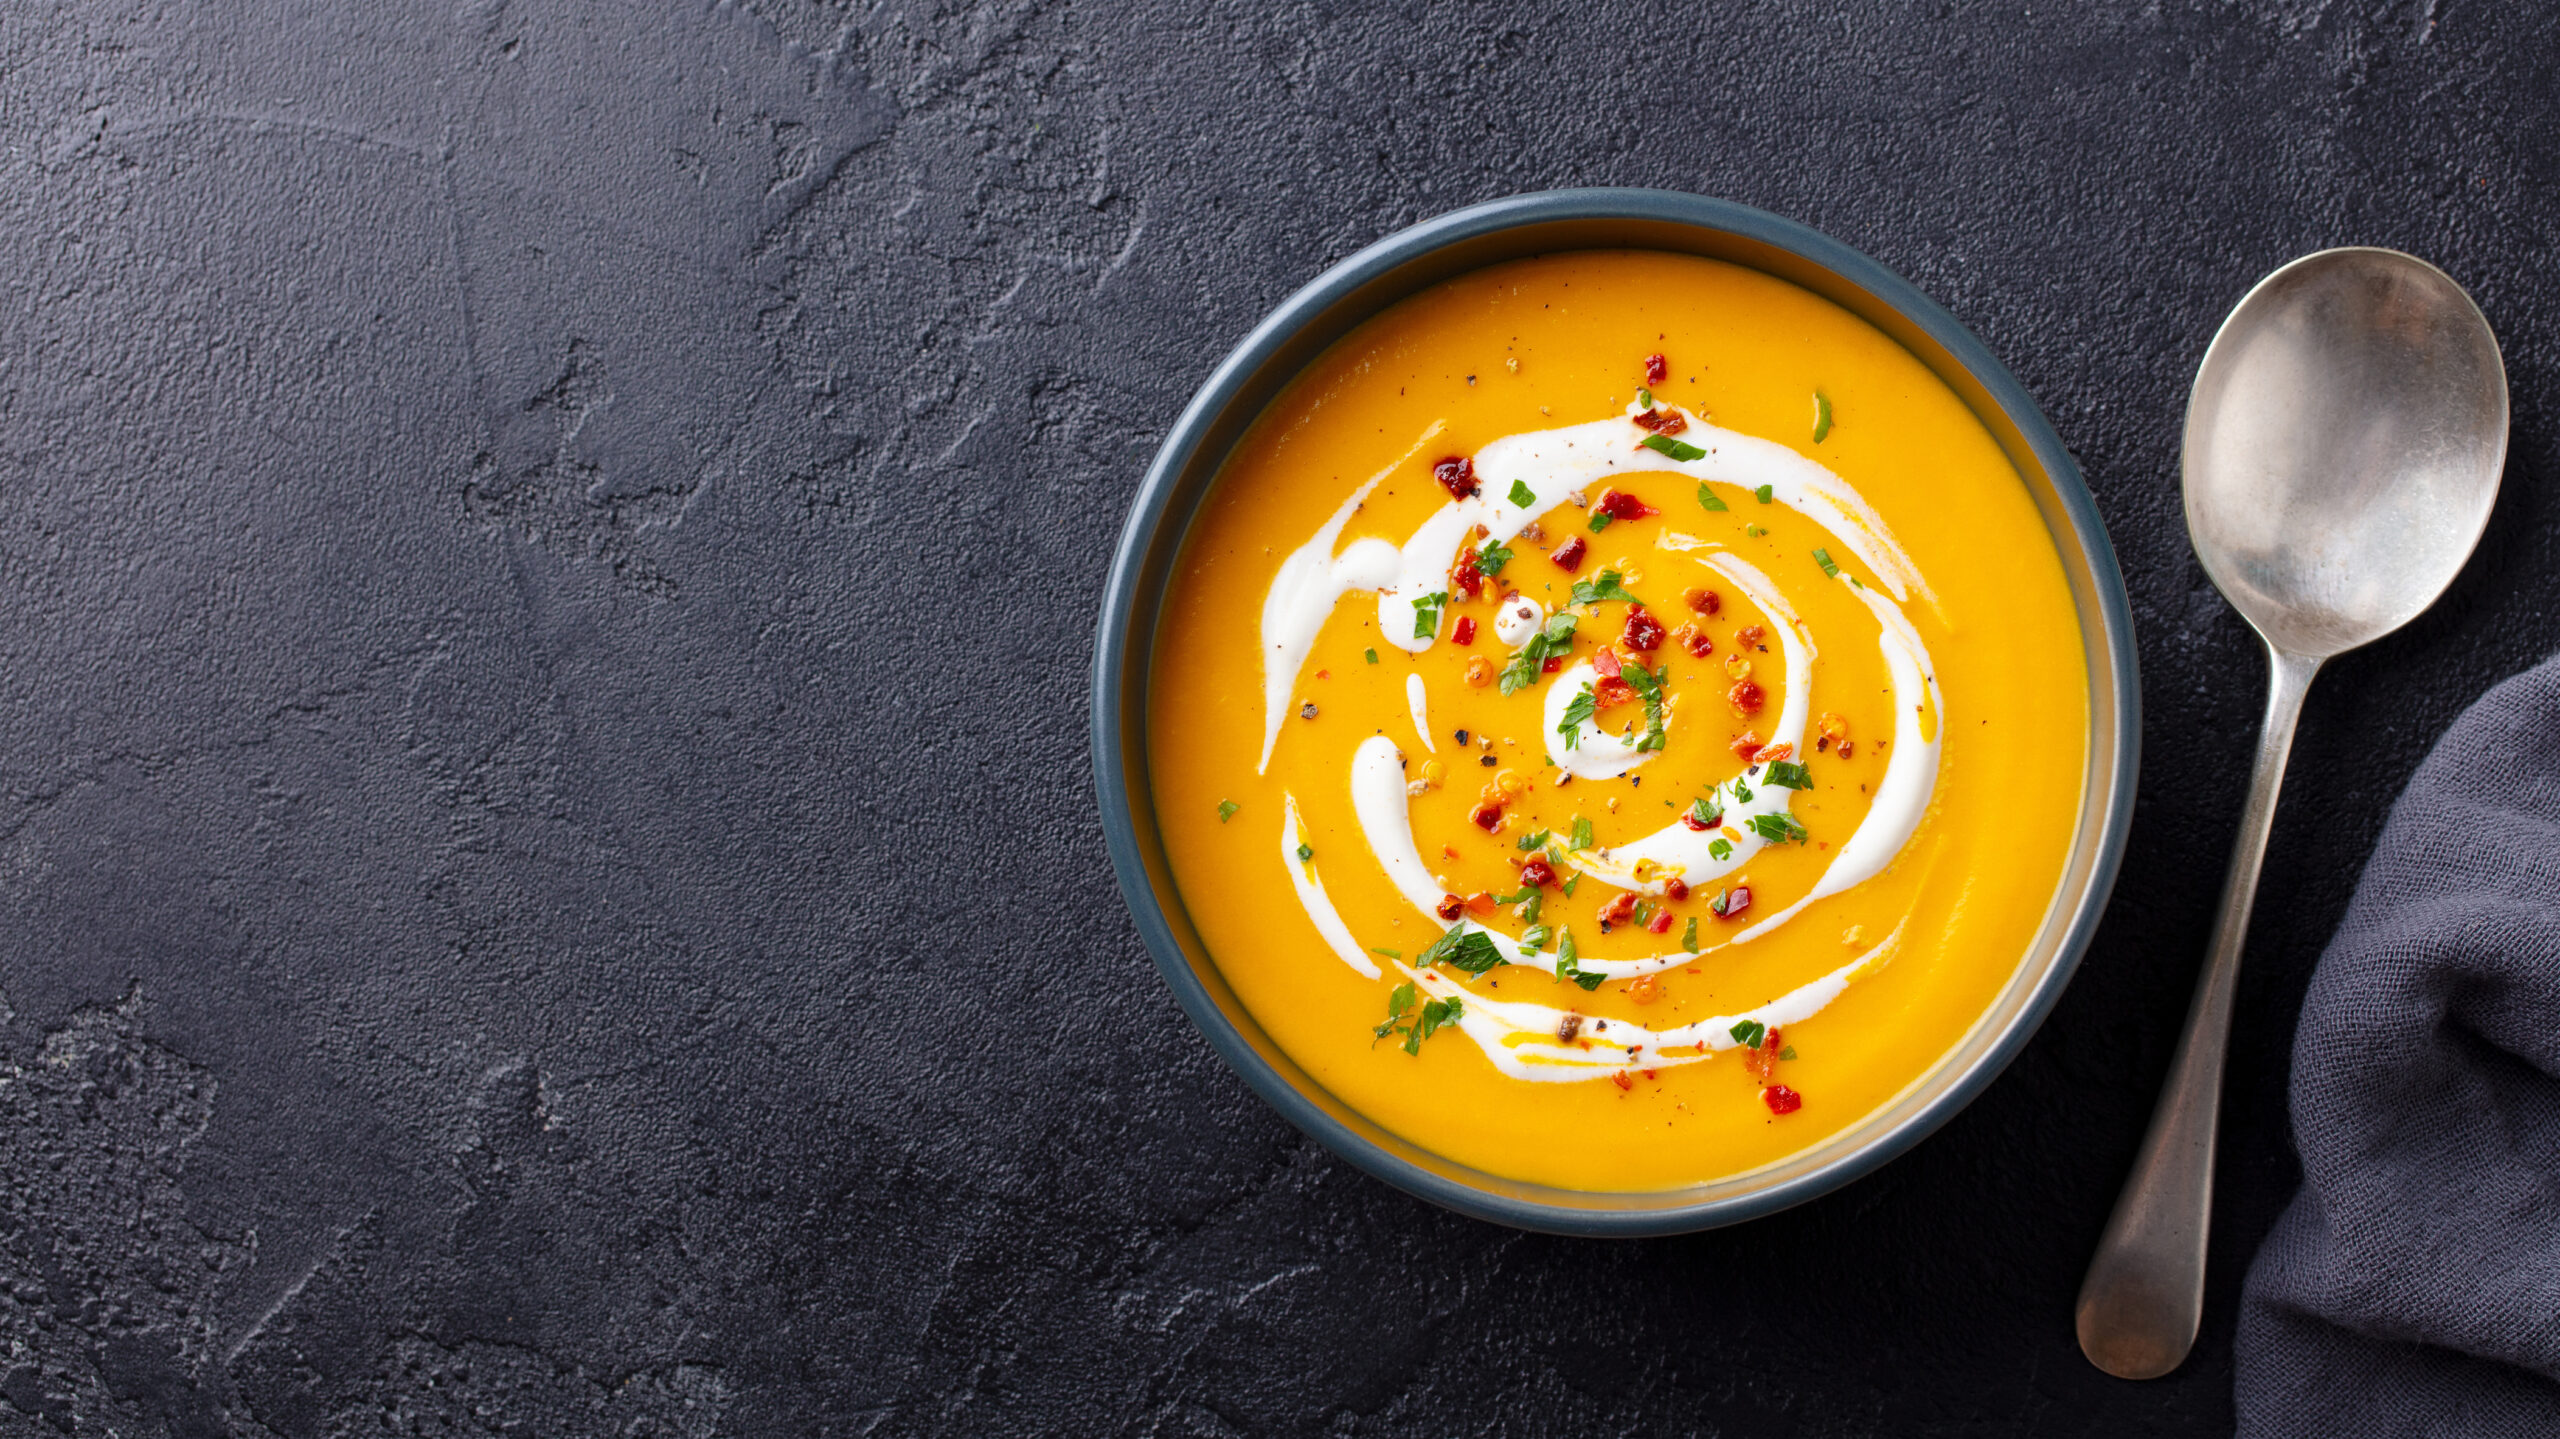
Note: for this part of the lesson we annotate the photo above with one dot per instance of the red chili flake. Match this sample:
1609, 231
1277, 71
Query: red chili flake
1486, 816
1749, 636
1847, 748
1611, 693
1568, 556
1606, 663
1746, 696
1456, 474
1643, 631
1746, 744
1324, 674
1620, 1079
1617, 909
1781, 1100
1551, 664
1655, 367
1762, 1059
1449, 907
1465, 580
1690, 818
1537, 874
1675, 888
1769, 753
1660, 923
1662, 422
1464, 632
1704, 601
1619, 505
1695, 640
1480, 902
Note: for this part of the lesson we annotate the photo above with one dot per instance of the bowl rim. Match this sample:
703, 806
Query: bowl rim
1243, 368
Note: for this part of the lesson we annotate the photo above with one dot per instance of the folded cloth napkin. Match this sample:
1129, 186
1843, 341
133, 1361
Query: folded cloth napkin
2413, 1286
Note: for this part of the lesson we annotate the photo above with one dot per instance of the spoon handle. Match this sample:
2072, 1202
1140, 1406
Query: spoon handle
2144, 1296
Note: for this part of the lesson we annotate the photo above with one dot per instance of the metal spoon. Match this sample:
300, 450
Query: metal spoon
2343, 448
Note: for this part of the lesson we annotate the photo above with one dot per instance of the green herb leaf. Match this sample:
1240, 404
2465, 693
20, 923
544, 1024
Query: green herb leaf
1426, 615
1821, 416
1610, 586
1532, 841
1532, 907
1553, 638
1679, 450
1648, 686
1399, 1004
1581, 832
1577, 711
1372, 654
1569, 882
1754, 531
1389, 953
1764, 493
1777, 828
1644, 398
1470, 951
1689, 936
1822, 557
1305, 854
1600, 520
1721, 850
1741, 791
1227, 810
1787, 1053
1748, 1033
1491, 559
1568, 965
1533, 936
1704, 813
1707, 500
1787, 774
1522, 495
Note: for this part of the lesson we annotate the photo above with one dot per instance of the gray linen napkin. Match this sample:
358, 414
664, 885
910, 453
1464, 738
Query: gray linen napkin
2413, 1286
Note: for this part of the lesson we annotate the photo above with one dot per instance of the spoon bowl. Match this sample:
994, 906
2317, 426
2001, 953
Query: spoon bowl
2343, 447
2344, 442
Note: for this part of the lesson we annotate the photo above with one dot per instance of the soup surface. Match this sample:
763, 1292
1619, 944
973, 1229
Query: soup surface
1619, 720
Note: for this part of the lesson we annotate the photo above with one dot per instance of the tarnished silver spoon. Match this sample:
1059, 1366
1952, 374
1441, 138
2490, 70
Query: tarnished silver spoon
2343, 448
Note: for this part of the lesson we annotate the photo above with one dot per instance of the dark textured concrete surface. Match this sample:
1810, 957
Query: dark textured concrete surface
547, 875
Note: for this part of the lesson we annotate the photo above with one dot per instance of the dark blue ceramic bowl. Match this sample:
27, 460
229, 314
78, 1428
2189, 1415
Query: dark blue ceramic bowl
1470, 239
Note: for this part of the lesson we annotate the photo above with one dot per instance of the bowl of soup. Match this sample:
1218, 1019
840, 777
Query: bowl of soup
1614, 712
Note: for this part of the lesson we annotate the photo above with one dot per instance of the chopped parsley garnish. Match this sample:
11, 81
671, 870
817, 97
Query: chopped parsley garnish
1426, 615
1533, 936
1577, 711
1522, 495
1720, 850
1227, 810
1600, 520
1787, 1053
1610, 586
1417, 1027
1569, 882
1532, 906
1470, 951
1372, 654
1532, 841
1777, 828
1644, 399
1763, 493
1707, 499
1648, 685
1741, 791
1389, 953
1704, 813
1491, 559
1680, 450
1689, 936
1568, 964
1581, 832
1754, 531
1305, 853
1553, 638
1787, 774
1822, 557
1748, 1033
1821, 416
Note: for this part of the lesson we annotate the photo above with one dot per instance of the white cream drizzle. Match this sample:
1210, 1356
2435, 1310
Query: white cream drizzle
1555, 467
1318, 904
1524, 1040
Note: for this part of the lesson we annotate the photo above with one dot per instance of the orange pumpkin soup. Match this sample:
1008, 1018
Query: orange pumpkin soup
1618, 720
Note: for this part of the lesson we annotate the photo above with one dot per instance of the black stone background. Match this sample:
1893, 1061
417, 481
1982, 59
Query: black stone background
547, 557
